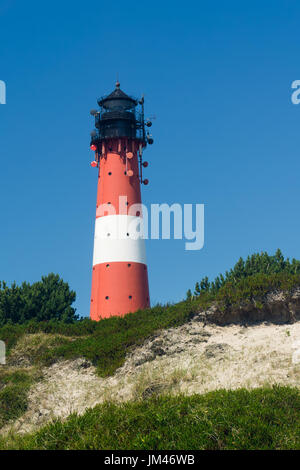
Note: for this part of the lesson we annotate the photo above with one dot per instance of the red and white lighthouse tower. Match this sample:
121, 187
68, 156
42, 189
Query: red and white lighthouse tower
120, 278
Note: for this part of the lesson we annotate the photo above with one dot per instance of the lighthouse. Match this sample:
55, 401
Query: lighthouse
119, 276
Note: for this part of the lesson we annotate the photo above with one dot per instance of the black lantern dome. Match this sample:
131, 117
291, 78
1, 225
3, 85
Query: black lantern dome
117, 100
120, 116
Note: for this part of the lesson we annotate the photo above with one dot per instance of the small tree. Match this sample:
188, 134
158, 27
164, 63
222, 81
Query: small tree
197, 289
48, 299
189, 295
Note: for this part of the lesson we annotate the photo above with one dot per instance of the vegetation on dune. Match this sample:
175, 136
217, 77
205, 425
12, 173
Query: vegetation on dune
39, 326
107, 342
104, 343
50, 298
14, 387
255, 287
265, 418
258, 263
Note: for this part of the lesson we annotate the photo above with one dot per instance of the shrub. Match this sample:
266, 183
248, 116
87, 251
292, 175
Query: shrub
48, 299
258, 263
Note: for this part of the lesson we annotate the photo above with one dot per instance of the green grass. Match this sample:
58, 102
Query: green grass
104, 343
259, 419
107, 342
14, 388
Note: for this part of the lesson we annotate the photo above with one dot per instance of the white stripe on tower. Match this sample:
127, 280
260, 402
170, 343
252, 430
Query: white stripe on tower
118, 238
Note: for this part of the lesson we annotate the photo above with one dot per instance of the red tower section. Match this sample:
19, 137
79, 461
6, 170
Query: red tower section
120, 278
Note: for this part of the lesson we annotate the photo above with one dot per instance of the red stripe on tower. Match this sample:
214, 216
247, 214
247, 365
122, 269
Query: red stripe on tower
120, 278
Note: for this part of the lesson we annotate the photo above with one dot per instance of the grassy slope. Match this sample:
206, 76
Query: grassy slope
14, 387
241, 419
106, 343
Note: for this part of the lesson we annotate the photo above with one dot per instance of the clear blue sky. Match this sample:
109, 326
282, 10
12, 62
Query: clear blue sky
217, 75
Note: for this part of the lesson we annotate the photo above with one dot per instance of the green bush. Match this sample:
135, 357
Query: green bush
265, 418
258, 263
255, 287
48, 299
